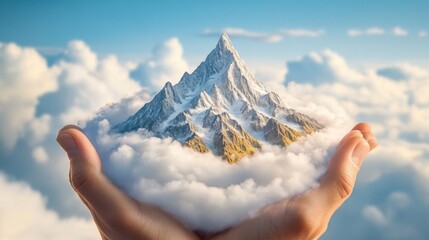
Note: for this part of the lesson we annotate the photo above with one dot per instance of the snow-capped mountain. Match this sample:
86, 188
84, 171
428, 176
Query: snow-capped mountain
222, 108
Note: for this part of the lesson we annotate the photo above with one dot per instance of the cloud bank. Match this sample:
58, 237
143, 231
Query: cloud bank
390, 200
24, 216
202, 190
166, 65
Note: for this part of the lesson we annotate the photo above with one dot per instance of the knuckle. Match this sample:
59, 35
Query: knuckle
345, 185
78, 180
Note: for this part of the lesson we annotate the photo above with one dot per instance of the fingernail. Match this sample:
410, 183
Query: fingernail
360, 152
67, 143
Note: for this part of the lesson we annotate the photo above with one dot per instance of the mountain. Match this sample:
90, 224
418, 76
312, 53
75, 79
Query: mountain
222, 108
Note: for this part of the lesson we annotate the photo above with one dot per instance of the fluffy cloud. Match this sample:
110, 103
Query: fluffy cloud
87, 83
423, 34
24, 77
39, 98
211, 195
24, 216
166, 65
318, 68
403, 71
390, 200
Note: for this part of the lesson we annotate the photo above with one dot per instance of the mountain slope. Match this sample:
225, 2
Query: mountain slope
222, 108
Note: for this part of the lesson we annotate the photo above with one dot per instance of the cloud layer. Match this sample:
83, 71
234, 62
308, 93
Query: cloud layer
24, 216
390, 200
202, 190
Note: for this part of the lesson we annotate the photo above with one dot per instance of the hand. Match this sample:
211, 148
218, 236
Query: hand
304, 216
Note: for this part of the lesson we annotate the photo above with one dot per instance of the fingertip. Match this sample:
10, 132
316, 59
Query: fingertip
69, 127
360, 151
363, 127
373, 143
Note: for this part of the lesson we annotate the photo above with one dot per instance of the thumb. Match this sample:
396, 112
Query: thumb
338, 182
87, 179
84, 160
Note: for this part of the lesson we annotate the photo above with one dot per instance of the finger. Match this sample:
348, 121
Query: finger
363, 127
352, 133
338, 182
111, 207
370, 138
360, 128
86, 175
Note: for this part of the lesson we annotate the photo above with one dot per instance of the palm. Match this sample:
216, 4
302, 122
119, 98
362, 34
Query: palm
304, 216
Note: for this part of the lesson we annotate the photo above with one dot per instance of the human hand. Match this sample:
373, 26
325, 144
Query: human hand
304, 216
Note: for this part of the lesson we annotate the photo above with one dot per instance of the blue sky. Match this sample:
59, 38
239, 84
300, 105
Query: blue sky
351, 61
132, 29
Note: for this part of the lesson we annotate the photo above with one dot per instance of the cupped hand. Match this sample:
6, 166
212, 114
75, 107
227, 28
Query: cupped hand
305, 216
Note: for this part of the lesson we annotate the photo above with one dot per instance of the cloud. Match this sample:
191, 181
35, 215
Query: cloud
24, 216
39, 154
24, 77
390, 200
368, 31
403, 71
85, 83
302, 32
398, 31
243, 33
374, 215
392, 185
317, 68
166, 65
37, 99
422, 34
266, 37
212, 195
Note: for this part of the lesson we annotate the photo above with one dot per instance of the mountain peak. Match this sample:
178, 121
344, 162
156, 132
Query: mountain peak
222, 108
225, 43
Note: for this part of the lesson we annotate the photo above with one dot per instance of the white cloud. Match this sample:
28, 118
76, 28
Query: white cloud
398, 31
24, 216
166, 65
368, 31
38, 128
211, 195
263, 36
300, 32
392, 183
318, 68
78, 52
243, 33
24, 77
403, 71
354, 32
392, 98
86, 83
374, 215
39, 155
375, 31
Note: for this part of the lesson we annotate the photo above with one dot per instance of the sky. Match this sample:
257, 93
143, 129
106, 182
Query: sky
61, 62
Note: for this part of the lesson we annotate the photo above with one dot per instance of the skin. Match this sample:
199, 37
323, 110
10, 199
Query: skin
304, 216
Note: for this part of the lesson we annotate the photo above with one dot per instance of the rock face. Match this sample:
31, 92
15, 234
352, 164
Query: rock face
222, 108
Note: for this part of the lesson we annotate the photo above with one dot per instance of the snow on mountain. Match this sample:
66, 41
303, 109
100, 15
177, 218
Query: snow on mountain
222, 108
